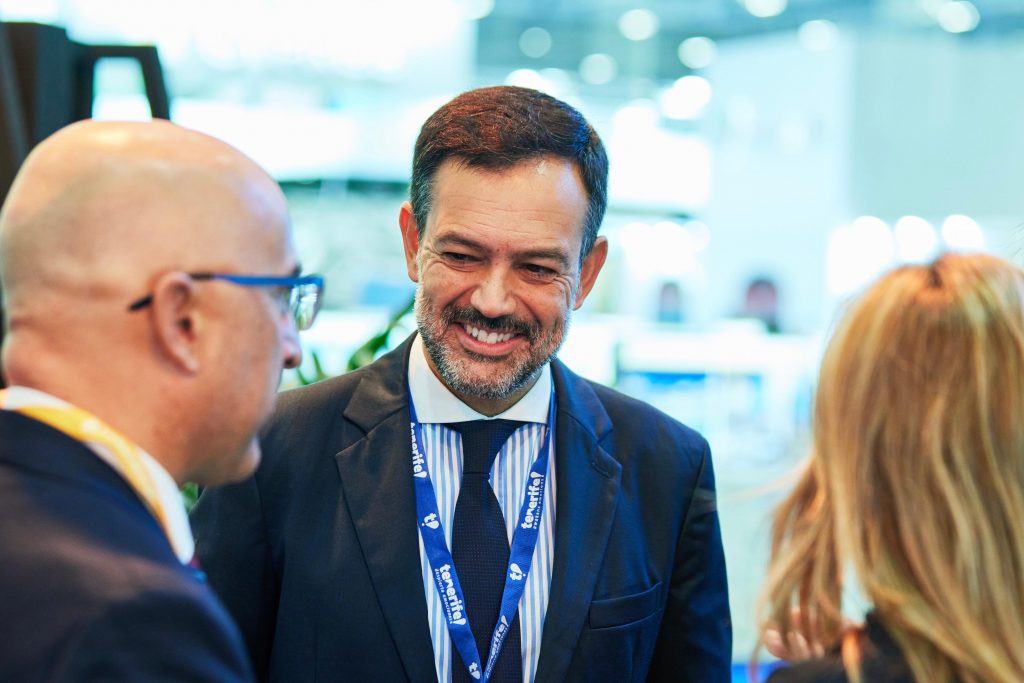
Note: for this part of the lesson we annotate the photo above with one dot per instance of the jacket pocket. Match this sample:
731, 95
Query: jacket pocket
612, 612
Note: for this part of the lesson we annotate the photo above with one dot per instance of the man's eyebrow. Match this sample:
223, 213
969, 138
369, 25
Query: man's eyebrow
551, 254
459, 240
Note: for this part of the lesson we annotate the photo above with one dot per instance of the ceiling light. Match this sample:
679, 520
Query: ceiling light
638, 24
962, 233
697, 52
958, 16
535, 42
636, 117
857, 253
686, 98
598, 68
765, 8
817, 35
916, 241
528, 78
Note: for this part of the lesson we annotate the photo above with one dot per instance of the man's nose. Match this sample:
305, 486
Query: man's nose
493, 296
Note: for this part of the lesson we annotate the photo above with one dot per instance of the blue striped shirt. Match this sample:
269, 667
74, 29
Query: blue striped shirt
435, 405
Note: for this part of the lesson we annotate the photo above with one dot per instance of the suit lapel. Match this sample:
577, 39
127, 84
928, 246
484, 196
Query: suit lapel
376, 476
588, 488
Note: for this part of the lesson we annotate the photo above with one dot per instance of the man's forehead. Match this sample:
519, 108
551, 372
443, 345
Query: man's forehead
536, 192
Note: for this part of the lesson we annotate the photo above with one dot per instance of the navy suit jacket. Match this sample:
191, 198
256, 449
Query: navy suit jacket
90, 589
317, 556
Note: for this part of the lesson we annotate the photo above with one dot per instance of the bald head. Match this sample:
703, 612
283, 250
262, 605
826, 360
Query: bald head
99, 207
103, 214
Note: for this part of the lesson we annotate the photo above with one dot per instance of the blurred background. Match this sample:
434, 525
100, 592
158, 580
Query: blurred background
768, 158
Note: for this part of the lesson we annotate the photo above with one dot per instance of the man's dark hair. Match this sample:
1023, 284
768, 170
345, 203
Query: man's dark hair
498, 127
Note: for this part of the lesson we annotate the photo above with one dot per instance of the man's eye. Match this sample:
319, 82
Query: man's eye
539, 271
456, 257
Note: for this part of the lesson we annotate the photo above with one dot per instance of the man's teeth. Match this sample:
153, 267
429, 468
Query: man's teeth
487, 337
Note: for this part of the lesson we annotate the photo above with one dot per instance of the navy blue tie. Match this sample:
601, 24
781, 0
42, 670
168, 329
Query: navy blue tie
480, 549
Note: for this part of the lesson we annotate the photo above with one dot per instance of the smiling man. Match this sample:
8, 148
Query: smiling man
466, 508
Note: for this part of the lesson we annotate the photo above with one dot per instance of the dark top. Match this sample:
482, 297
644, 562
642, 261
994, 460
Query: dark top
317, 556
881, 662
90, 589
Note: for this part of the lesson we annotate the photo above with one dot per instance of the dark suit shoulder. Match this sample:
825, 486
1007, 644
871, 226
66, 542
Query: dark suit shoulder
313, 423
164, 633
76, 549
303, 421
385, 378
337, 411
325, 393
651, 434
663, 462
81, 514
329, 396
631, 411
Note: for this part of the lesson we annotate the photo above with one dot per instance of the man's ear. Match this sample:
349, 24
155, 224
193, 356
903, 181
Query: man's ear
592, 264
176, 320
410, 239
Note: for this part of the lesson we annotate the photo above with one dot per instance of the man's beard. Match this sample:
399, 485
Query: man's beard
472, 374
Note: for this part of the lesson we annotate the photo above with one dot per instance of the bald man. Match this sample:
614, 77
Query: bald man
152, 298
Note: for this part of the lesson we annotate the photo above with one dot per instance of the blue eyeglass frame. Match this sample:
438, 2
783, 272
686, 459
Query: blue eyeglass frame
289, 281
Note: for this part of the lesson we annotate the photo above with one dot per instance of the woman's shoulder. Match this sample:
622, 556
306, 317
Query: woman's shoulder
881, 660
828, 669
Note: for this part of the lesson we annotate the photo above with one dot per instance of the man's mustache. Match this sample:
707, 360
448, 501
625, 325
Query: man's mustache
503, 323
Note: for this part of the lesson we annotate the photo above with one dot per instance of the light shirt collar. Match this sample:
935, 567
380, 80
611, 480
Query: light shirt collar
170, 497
436, 404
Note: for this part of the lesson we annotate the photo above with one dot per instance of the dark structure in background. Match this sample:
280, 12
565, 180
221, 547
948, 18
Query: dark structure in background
13, 136
47, 82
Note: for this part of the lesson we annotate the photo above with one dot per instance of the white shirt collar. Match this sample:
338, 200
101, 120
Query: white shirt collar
435, 404
181, 538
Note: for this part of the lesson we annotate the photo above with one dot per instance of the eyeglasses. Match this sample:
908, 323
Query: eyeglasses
300, 294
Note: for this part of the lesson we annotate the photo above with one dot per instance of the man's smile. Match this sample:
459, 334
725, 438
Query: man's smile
491, 337
491, 343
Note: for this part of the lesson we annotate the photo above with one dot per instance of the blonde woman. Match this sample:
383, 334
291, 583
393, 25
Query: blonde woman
915, 489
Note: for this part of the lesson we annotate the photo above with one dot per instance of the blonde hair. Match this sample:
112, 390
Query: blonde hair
916, 477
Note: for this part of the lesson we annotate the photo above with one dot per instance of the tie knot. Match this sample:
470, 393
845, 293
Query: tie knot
481, 441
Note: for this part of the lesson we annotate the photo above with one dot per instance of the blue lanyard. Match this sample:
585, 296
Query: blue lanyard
524, 541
